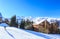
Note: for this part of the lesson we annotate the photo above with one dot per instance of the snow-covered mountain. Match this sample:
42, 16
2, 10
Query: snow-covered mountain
38, 19
34, 19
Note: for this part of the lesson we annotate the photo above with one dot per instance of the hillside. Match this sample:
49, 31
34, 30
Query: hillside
14, 33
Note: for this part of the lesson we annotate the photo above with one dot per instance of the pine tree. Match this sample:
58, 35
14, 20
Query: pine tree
22, 24
26, 24
29, 25
13, 22
17, 23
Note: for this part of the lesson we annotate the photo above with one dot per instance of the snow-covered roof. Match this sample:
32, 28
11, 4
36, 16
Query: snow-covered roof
3, 24
38, 21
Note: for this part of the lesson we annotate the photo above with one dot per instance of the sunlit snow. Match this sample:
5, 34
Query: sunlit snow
14, 33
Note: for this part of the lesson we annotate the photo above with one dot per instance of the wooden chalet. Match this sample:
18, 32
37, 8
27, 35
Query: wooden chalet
43, 26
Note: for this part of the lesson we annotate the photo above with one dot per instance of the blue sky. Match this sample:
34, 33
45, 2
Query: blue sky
42, 8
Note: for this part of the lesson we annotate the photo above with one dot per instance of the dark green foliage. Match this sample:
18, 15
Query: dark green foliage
13, 22
22, 24
17, 23
26, 24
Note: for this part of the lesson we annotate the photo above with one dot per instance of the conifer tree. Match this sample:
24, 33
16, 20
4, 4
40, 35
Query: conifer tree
22, 24
13, 22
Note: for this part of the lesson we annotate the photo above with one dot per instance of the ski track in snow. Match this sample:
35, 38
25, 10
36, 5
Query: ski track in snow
10, 34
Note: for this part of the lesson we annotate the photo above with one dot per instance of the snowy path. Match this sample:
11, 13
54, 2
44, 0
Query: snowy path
14, 33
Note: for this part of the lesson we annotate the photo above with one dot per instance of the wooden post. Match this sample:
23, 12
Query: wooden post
45, 25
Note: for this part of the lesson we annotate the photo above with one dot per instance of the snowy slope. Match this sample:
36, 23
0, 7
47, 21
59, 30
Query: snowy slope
14, 33
47, 36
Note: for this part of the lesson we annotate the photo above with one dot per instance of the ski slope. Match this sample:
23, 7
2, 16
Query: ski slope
14, 33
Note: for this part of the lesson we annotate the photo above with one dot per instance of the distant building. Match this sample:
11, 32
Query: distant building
42, 26
45, 26
0, 18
